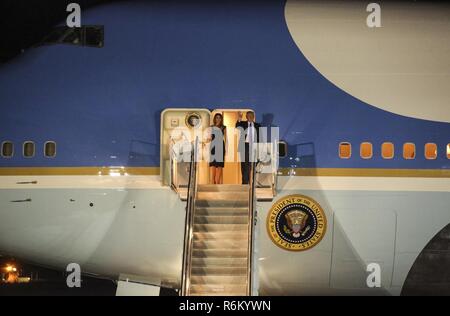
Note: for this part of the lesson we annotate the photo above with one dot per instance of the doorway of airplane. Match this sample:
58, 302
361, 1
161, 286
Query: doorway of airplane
179, 127
232, 169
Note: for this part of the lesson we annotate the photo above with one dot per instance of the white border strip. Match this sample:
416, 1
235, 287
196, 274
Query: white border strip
284, 183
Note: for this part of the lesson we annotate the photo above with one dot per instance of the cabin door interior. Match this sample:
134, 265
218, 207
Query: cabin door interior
176, 120
175, 173
232, 170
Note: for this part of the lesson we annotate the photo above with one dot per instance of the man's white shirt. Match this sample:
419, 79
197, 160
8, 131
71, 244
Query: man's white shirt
250, 137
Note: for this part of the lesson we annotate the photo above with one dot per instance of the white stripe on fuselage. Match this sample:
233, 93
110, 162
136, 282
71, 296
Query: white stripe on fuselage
284, 183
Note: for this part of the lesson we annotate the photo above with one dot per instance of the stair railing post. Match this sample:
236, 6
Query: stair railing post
188, 229
251, 219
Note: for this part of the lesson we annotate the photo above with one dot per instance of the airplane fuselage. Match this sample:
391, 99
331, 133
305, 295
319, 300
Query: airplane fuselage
102, 200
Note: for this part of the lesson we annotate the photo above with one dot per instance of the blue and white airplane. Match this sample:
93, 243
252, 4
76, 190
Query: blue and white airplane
87, 175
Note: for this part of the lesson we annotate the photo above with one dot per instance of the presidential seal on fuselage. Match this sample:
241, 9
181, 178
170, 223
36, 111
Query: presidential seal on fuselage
296, 223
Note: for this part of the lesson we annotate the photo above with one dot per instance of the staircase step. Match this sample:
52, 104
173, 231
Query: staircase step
219, 262
222, 188
210, 271
219, 253
221, 211
220, 235
221, 219
237, 196
264, 194
220, 227
229, 203
182, 193
219, 289
221, 244
219, 279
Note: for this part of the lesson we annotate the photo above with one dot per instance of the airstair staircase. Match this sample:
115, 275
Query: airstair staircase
217, 259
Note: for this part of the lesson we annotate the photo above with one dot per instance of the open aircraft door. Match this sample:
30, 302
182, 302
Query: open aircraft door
180, 126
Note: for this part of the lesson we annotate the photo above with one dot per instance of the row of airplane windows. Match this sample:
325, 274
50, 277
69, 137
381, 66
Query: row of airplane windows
345, 150
388, 150
28, 149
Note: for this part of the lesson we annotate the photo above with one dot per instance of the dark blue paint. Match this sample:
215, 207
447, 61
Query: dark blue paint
103, 103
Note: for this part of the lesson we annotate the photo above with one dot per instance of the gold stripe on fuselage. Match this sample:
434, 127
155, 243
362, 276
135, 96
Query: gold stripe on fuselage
305, 172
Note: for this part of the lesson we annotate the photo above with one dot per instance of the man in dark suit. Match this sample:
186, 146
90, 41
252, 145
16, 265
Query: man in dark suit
247, 143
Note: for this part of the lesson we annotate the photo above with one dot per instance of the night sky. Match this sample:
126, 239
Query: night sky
25, 23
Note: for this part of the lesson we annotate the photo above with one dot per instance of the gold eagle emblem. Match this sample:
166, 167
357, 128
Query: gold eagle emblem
296, 221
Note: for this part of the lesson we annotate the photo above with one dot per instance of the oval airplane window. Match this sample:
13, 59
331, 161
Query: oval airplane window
50, 149
282, 149
366, 150
430, 151
409, 151
7, 149
193, 120
28, 149
345, 150
387, 150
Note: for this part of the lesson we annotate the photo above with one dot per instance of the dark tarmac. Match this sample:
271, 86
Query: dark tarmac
91, 287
